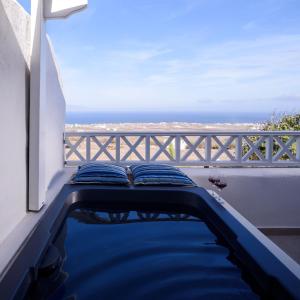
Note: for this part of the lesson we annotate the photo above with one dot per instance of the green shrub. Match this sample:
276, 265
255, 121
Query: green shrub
281, 123
171, 150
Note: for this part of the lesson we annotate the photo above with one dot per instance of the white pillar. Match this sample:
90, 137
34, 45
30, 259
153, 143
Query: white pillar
298, 148
37, 108
40, 11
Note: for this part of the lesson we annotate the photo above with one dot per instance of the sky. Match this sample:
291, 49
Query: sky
181, 55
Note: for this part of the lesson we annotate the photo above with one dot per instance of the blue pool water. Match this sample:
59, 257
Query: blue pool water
136, 255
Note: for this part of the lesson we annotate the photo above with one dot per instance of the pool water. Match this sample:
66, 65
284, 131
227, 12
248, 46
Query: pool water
145, 255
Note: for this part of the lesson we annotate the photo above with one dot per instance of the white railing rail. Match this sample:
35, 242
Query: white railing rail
259, 148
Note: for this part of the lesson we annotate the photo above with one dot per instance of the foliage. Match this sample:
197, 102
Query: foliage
285, 122
171, 150
281, 123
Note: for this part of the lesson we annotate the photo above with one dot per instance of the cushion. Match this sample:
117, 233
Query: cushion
159, 174
101, 174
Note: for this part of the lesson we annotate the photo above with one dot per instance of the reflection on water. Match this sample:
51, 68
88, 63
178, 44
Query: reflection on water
142, 255
88, 216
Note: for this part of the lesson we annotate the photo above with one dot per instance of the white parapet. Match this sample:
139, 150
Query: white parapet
37, 188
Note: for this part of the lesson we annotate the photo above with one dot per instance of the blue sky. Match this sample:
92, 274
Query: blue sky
193, 55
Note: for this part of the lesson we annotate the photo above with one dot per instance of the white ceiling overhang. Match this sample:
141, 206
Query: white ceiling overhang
62, 8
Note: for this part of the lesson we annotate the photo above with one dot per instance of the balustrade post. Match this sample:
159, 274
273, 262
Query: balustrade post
298, 148
269, 148
65, 149
147, 148
208, 149
238, 149
118, 148
88, 149
177, 148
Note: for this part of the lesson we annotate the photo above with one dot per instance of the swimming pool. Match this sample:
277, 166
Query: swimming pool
149, 243
144, 255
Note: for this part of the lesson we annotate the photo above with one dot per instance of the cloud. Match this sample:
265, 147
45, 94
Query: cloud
270, 57
187, 6
250, 74
141, 55
251, 25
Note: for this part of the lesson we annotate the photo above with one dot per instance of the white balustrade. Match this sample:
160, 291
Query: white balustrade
259, 148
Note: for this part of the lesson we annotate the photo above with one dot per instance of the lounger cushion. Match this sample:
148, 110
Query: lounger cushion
101, 174
159, 174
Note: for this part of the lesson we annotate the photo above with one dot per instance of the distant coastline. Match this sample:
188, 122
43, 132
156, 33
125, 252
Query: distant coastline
162, 127
88, 118
164, 121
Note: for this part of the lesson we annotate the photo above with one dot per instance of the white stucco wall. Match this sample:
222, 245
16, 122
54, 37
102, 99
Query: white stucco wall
14, 93
267, 197
14, 112
55, 118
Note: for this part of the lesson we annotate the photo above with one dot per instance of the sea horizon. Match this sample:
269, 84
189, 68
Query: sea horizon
92, 117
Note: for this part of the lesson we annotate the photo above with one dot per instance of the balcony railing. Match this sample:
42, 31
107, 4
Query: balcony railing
185, 148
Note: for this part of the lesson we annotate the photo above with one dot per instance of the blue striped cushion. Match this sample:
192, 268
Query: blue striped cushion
101, 174
159, 174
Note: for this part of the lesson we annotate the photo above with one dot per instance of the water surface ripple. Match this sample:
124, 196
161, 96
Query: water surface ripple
175, 259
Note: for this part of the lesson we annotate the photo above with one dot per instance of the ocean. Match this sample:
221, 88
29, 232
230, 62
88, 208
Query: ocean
159, 117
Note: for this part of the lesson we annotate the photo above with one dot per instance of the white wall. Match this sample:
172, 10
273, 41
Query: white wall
14, 91
14, 112
266, 197
55, 118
